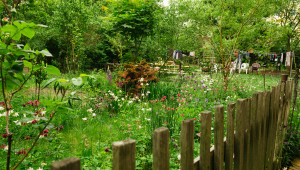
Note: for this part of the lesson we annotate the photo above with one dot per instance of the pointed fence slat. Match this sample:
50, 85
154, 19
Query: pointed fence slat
205, 130
66, 164
260, 110
161, 149
219, 138
124, 155
229, 136
187, 144
239, 136
253, 133
247, 135
266, 117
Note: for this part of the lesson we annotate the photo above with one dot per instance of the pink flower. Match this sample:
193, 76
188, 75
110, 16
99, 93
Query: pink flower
34, 121
168, 108
198, 134
27, 137
106, 150
179, 95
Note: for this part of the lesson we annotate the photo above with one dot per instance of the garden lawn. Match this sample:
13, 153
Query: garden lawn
92, 116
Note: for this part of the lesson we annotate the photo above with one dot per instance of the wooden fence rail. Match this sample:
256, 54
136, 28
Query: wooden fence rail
255, 131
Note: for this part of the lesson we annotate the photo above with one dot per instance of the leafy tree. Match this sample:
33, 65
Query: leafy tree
135, 21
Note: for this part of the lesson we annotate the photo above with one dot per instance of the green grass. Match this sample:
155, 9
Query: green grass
123, 118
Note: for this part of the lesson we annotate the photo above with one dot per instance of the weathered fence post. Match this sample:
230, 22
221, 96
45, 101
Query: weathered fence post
229, 149
247, 134
124, 155
161, 149
239, 136
66, 164
187, 144
219, 138
253, 133
205, 141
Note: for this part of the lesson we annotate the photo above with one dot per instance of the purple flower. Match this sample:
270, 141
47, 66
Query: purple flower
176, 146
61, 127
56, 128
197, 100
172, 139
206, 100
106, 150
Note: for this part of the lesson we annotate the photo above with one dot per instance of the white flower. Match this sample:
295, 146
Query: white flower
17, 122
1, 108
147, 84
122, 99
90, 110
130, 101
143, 109
148, 119
6, 148
179, 156
24, 115
142, 79
148, 92
120, 91
149, 109
39, 168
43, 113
16, 114
94, 114
30, 168
143, 94
84, 119
142, 84
3, 114
43, 164
41, 136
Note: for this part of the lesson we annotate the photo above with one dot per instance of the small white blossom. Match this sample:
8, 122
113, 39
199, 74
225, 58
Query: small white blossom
43, 113
30, 168
142, 79
149, 109
148, 92
143, 109
24, 115
90, 110
1, 108
6, 148
43, 164
94, 114
84, 119
16, 114
147, 84
179, 156
130, 101
142, 84
40, 168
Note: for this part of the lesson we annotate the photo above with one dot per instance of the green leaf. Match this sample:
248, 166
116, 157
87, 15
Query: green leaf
17, 36
84, 75
46, 53
27, 64
62, 80
52, 70
77, 81
48, 83
9, 28
18, 24
28, 32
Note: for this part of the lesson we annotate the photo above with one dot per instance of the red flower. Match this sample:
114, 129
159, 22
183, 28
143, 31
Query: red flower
27, 137
4, 135
3, 146
34, 121
106, 150
46, 131
2, 103
179, 95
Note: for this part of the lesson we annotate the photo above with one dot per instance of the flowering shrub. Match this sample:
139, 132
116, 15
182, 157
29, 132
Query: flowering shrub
135, 77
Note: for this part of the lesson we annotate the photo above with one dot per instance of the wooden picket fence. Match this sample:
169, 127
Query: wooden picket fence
255, 132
